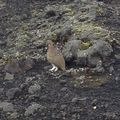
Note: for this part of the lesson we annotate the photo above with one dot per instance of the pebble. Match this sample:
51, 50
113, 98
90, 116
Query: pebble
74, 100
7, 107
14, 115
63, 82
9, 76
63, 107
32, 108
11, 93
34, 88
64, 89
1, 90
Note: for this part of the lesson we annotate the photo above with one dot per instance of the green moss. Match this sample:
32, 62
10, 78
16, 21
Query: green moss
83, 27
85, 45
24, 27
23, 36
98, 30
84, 17
22, 40
68, 10
99, 10
36, 12
90, 81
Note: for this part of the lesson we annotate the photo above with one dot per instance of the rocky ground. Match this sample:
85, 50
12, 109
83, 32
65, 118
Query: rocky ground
88, 34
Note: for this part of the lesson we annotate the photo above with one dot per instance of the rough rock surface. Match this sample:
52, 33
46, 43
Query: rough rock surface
70, 49
13, 92
34, 88
7, 107
31, 109
90, 56
88, 34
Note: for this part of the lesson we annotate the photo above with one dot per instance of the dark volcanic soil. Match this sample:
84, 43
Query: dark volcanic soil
38, 94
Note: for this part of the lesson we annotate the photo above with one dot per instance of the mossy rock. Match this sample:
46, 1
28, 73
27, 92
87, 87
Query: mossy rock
89, 30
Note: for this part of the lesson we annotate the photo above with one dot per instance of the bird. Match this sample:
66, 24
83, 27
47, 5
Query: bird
55, 57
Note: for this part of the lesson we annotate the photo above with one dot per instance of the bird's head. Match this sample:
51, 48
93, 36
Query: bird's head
50, 43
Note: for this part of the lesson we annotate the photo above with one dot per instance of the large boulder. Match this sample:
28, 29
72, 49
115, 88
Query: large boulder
70, 49
87, 57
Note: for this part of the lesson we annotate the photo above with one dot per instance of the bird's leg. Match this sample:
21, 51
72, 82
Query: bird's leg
53, 67
56, 68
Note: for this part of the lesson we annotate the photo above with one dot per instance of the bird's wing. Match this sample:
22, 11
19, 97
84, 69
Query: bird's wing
58, 60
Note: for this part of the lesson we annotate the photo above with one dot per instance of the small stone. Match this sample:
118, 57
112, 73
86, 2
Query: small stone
53, 115
1, 90
14, 115
13, 67
43, 97
34, 88
117, 56
63, 89
23, 86
63, 82
7, 107
26, 64
98, 70
9, 76
1, 53
74, 100
50, 12
2, 43
94, 102
29, 80
32, 97
95, 107
117, 78
63, 107
82, 77
54, 106
32, 108
11, 93
110, 115
111, 69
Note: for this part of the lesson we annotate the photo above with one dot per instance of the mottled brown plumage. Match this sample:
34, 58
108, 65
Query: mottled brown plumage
55, 57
